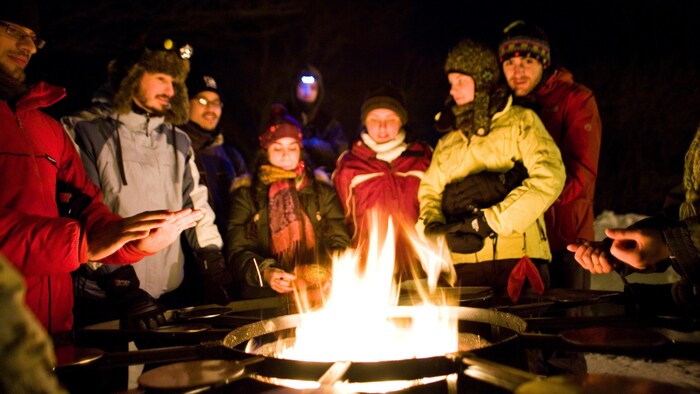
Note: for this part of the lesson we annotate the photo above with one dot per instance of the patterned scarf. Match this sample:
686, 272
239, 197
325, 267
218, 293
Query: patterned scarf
291, 232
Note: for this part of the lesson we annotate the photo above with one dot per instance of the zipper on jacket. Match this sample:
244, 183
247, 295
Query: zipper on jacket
543, 235
50, 159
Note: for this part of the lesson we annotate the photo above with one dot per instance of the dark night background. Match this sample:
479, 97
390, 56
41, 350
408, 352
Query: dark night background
642, 60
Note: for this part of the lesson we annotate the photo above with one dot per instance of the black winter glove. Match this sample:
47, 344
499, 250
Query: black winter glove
217, 279
137, 309
463, 236
481, 190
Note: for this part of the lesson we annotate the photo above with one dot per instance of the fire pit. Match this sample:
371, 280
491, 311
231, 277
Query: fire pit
479, 329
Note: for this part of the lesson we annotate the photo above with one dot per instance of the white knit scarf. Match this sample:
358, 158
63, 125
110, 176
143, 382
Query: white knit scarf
387, 151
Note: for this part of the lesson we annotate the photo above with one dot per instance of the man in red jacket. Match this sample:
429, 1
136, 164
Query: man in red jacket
570, 114
51, 215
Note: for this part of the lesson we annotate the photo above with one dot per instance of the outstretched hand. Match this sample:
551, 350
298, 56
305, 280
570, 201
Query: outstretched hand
640, 248
151, 231
593, 256
169, 232
107, 240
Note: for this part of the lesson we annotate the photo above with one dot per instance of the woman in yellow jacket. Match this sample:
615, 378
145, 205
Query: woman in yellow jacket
489, 221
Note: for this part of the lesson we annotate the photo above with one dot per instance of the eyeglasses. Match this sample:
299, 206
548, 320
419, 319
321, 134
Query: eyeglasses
19, 35
214, 103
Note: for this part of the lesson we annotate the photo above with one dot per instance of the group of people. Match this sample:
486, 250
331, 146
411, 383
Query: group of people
94, 211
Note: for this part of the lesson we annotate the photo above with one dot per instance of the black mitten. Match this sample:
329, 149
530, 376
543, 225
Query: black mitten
515, 176
462, 235
462, 242
137, 309
436, 228
469, 236
217, 278
481, 190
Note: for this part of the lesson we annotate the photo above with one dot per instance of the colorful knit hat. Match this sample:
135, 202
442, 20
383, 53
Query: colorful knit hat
280, 125
521, 39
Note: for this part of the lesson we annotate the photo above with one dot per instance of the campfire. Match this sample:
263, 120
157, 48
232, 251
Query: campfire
358, 321
361, 327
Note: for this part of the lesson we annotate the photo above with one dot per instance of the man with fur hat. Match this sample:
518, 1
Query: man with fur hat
492, 243
324, 137
570, 114
219, 163
140, 159
52, 214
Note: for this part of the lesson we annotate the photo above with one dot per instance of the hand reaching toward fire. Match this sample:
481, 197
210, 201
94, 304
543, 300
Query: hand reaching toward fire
279, 280
170, 231
640, 248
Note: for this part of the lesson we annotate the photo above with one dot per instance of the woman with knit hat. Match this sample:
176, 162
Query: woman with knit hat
486, 137
285, 224
382, 170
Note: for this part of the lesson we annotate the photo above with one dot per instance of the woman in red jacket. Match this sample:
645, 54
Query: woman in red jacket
382, 171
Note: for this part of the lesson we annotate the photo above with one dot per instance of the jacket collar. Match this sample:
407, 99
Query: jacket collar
41, 95
140, 123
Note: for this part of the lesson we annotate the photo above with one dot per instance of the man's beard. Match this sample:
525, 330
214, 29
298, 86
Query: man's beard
143, 100
11, 83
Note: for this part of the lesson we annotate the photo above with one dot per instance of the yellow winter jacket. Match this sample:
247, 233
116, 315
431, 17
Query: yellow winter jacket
516, 134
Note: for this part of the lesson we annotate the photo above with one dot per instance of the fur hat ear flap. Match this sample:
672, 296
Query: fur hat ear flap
482, 117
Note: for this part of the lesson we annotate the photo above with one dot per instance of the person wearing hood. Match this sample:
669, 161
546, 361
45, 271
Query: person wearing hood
570, 114
381, 172
285, 225
53, 217
495, 230
140, 159
219, 163
324, 137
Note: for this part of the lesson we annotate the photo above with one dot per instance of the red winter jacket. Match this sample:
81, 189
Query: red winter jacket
364, 182
36, 156
570, 114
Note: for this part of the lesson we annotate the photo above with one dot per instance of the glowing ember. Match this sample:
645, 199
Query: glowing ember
359, 322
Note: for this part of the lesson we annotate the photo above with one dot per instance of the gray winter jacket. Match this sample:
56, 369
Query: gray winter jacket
142, 163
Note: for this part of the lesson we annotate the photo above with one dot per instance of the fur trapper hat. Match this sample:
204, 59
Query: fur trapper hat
481, 63
168, 60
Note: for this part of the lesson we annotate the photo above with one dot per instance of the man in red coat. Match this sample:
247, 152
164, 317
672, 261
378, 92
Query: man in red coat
570, 114
39, 172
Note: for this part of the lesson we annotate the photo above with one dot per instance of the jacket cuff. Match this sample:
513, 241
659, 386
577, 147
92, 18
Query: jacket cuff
684, 254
